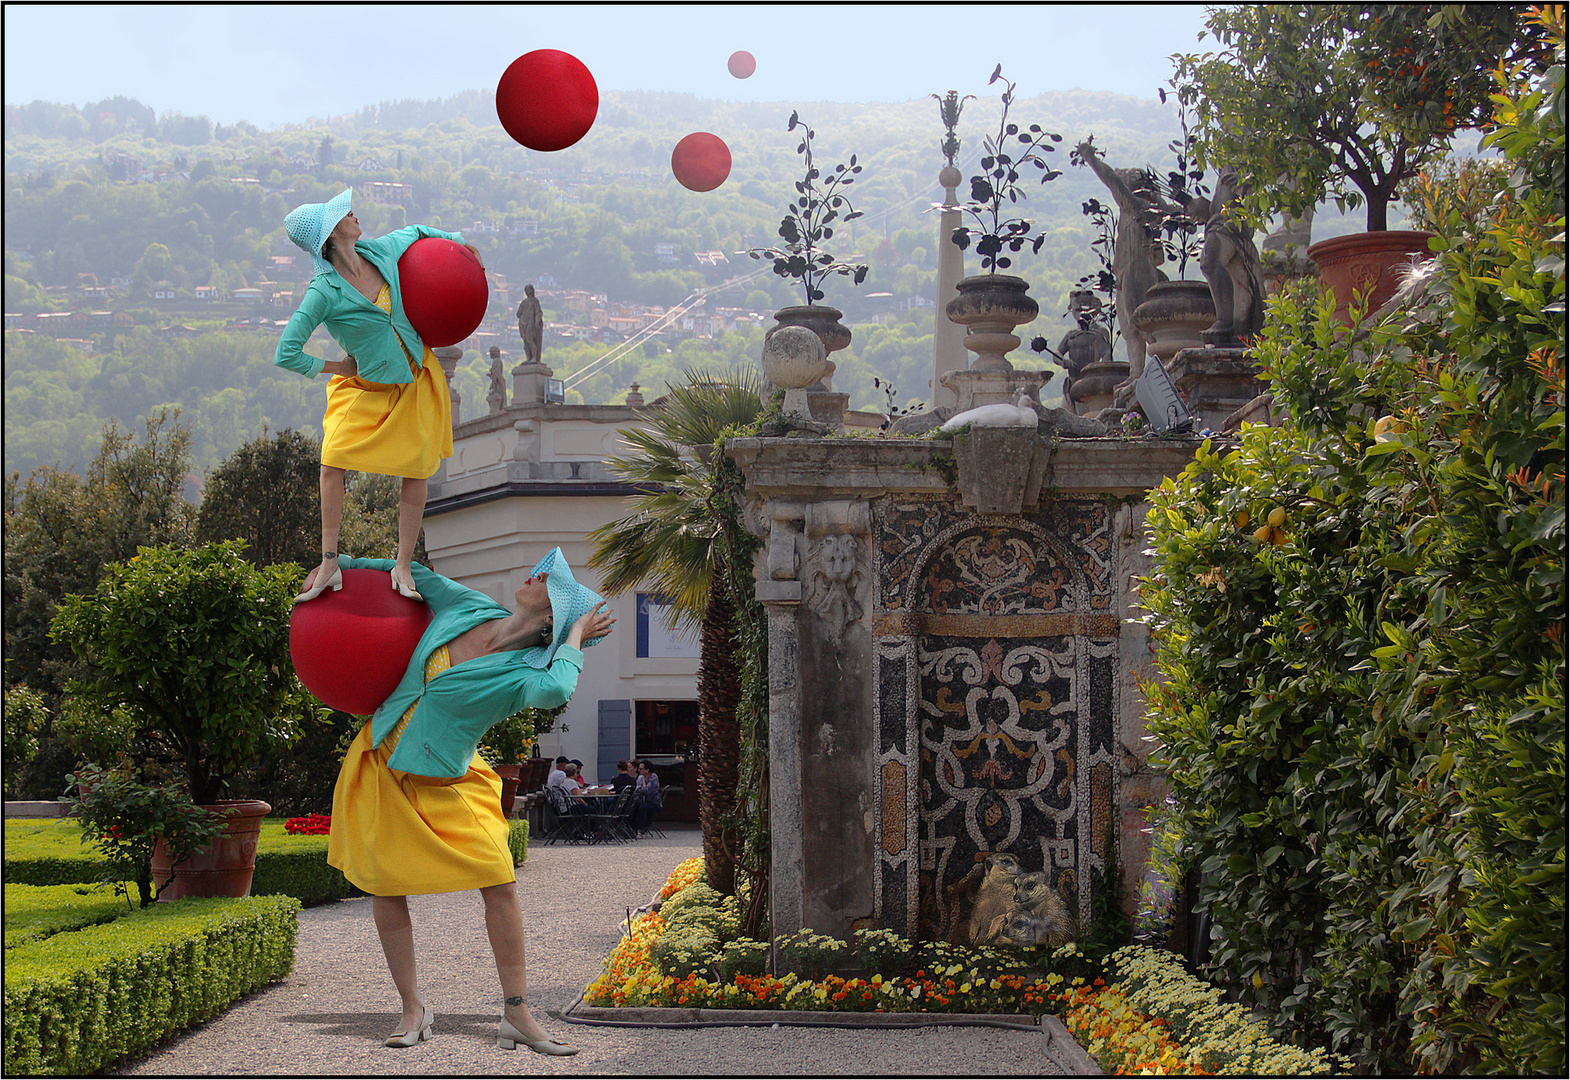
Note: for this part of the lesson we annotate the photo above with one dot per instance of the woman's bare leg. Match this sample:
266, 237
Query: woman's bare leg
332, 518
393, 926
411, 515
504, 926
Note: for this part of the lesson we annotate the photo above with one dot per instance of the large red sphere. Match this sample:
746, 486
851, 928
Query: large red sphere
701, 161
547, 100
350, 648
444, 290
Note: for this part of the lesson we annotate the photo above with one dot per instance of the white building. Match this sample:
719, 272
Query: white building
528, 479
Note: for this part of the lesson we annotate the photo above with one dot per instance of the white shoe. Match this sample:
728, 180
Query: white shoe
334, 582
409, 1038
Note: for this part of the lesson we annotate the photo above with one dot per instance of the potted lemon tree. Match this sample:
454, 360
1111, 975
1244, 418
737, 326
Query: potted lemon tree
193, 647
1344, 102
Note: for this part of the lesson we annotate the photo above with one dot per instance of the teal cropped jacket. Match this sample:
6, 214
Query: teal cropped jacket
365, 331
455, 710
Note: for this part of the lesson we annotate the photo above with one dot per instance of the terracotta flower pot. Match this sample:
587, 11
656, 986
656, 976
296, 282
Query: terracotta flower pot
224, 867
1173, 315
1367, 263
990, 306
511, 775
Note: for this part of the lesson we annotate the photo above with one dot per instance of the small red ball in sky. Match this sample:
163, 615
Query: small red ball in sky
444, 290
350, 648
741, 64
547, 100
701, 161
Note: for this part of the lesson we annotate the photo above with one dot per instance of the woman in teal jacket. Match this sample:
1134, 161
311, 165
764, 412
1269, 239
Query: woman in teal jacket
417, 811
388, 411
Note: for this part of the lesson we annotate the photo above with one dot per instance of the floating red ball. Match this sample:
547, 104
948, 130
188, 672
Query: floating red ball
741, 64
547, 100
701, 161
444, 290
350, 648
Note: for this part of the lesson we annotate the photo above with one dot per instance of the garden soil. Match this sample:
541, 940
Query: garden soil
331, 1016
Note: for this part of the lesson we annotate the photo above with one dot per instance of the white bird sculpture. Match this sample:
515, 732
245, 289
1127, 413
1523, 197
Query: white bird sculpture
1019, 414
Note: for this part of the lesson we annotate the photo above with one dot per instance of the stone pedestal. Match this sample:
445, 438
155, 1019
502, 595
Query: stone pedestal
972, 388
528, 383
1215, 383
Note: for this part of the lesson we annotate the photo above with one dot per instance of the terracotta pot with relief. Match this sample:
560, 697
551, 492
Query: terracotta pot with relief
223, 868
1368, 263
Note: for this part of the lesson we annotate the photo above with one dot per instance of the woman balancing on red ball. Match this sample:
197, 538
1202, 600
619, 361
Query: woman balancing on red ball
387, 406
417, 811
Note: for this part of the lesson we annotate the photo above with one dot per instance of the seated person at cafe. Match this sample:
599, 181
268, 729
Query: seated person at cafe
563, 793
557, 775
577, 773
623, 778
649, 801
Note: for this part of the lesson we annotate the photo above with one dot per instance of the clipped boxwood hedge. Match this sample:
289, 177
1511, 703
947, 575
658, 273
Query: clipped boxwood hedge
33, 912
51, 853
78, 1002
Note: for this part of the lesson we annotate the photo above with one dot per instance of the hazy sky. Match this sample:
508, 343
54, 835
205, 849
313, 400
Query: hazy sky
272, 64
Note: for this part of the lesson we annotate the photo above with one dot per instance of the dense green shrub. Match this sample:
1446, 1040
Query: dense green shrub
33, 912
1360, 623
78, 1002
195, 646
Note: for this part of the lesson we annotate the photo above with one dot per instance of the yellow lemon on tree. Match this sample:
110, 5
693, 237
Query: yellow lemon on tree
1242, 518
1262, 534
1278, 517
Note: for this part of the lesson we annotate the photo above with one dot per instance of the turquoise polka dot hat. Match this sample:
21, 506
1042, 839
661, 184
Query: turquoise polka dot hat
570, 601
310, 225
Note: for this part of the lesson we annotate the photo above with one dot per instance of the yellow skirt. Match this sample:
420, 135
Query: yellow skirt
392, 429
398, 834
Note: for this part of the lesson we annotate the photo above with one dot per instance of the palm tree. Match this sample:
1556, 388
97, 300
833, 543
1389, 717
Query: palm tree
681, 541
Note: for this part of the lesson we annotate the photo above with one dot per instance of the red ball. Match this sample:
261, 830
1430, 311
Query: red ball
350, 648
701, 161
741, 64
444, 290
547, 100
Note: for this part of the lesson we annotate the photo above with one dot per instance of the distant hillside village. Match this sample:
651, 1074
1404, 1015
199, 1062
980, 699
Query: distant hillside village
266, 304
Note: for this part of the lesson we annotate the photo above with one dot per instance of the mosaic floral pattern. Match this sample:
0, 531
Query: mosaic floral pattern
1002, 737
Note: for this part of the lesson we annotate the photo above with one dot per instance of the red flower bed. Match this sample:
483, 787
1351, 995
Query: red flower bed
310, 825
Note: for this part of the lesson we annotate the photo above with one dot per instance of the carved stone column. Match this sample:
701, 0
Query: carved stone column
948, 337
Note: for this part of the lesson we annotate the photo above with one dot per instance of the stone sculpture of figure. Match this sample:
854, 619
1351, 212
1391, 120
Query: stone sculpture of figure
994, 898
834, 583
1135, 254
1088, 343
497, 398
531, 326
1230, 263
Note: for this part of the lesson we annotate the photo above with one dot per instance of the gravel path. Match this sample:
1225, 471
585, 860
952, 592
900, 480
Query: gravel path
331, 1015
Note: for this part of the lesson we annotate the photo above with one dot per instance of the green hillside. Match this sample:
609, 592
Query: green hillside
108, 195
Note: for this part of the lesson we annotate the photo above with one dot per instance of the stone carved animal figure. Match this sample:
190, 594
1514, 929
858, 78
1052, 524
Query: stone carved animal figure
1038, 915
994, 898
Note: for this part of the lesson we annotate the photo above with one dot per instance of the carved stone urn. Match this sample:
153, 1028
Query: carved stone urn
1173, 316
990, 306
821, 320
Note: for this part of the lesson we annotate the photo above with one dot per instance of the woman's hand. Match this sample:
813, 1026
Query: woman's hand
476, 253
590, 625
345, 367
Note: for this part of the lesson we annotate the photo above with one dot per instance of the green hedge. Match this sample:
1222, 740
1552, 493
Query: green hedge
78, 1002
33, 912
51, 853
